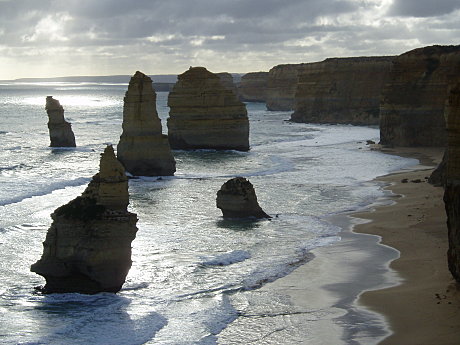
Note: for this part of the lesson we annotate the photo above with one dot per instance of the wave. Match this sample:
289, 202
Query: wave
226, 259
14, 167
44, 191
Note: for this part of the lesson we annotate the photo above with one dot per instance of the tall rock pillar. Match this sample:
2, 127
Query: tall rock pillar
143, 149
61, 134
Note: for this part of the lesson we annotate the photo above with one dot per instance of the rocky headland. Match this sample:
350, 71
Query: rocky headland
452, 187
143, 149
205, 114
341, 90
253, 87
88, 246
413, 101
281, 86
61, 134
237, 199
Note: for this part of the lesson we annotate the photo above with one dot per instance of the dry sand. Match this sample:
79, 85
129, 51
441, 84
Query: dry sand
425, 308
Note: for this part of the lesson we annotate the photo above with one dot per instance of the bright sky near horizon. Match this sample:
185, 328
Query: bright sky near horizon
50, 38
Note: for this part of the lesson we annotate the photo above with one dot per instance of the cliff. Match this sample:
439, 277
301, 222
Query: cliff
253, 87
341, 90
204, 114
281, 86
452, 188
413, 101
143, 149
88, 246
61, 134
237, 199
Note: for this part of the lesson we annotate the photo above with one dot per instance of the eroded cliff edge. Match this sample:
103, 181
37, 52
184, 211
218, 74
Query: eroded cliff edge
88, 246
452, 187
253, 87
413, 101
341, 90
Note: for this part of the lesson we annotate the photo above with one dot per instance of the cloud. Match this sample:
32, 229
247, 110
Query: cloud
423, 8
234, 35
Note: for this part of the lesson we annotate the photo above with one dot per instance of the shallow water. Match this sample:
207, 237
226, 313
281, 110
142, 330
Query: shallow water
193, 272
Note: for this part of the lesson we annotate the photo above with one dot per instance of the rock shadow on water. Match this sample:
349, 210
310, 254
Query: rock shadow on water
94, 319
241, 224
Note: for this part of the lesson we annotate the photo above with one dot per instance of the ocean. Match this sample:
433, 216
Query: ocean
194, 274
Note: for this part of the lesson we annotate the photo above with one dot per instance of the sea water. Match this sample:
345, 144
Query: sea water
190, 266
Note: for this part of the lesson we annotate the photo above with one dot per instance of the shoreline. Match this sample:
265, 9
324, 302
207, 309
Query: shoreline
365, 283
424, 308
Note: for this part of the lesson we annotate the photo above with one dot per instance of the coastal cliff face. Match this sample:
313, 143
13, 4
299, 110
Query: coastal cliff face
204, 114
452, 188
281, 87
88, 246
61, 134
413, 101
143, 149
253, 87
237, 199
341, 90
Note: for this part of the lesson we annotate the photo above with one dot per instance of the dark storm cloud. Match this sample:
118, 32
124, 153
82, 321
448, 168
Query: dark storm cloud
423, 8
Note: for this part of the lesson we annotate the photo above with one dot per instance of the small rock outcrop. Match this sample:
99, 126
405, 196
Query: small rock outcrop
452, 187
253, 87
413, 101
438, 176
61, 134
204, 114
143, 149
237, 199
341, 90
281, 87
88, 246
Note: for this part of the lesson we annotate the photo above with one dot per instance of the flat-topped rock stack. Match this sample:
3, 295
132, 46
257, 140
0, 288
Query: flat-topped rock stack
227, 80
341, 90
281, 86
253, 87
61, 134
413, 101
237, 199
88, 246
143, 149
204, 114
452, 187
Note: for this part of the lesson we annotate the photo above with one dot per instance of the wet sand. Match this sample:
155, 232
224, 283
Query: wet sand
425, 308
396, 253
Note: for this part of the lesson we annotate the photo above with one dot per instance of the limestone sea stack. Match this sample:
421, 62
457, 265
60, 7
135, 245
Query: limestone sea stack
88, 246
281, 86
204, 114
227, 80
237, 199
143, 149
253, 87
452, 187
341, 90
61, 134
413, 101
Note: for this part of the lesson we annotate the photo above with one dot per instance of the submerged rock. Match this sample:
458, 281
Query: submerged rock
61, 134
143, 149
237, 199
88, 246
452, 187
205, 114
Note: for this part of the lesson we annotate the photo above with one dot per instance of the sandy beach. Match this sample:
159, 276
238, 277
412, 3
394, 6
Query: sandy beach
425, 307
396, 253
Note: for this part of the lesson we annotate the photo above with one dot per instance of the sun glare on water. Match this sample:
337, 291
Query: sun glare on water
75, 101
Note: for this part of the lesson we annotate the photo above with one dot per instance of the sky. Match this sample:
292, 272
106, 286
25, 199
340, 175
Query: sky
50, 38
